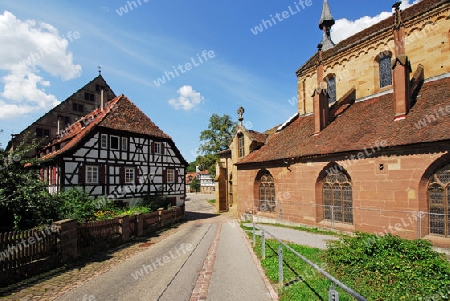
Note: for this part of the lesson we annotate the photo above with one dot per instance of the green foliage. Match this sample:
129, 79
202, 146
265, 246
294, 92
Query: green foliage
195, 184
216, 138
23, 196
154, 202
192, 166
78, 205
390, 268
301, 281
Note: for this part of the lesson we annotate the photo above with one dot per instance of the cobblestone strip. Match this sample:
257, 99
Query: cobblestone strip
200, 291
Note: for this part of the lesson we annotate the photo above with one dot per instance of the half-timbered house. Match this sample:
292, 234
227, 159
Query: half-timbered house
117, 152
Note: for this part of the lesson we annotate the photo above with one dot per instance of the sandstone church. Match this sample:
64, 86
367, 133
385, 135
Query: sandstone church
368, 149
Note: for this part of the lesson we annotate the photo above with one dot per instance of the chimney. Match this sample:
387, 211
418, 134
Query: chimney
320, 98
401, 68
101, 100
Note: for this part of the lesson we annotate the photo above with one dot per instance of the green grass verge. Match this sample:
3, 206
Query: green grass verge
301, 281
379, 268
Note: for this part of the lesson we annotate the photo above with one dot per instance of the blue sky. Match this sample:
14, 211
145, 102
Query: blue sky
230, 66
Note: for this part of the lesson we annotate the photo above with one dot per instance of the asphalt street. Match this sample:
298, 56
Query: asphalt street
171, 269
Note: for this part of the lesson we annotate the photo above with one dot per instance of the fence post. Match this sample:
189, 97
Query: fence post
68, 239
333, 295
263, 245
140, 224
254, 235
280, 265
124, 222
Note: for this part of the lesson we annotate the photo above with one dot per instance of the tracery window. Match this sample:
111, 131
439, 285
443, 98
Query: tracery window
337, 198
241, 143
439, 202
331, 88
267, 193
385, 71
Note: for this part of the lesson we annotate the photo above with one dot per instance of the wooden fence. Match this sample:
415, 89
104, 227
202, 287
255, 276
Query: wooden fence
24, 253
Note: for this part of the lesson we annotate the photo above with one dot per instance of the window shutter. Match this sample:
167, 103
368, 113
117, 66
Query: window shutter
163, 148
176, 175
136, 175
153, 147
122, 175
102, 174
81, 174
164, 176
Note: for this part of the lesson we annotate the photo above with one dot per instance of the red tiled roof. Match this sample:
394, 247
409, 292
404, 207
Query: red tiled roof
119, 114
257, 136
386, 24
363, 124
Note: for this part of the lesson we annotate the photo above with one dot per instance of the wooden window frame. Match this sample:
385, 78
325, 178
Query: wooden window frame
104, 141
111, 143
94, 172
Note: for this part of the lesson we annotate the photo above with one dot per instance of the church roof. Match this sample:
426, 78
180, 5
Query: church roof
362, 125
411, 12
120, 114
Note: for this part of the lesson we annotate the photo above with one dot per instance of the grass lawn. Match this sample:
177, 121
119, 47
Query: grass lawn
212, 202
378, 268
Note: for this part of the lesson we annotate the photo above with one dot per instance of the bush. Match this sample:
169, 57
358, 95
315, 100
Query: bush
77, 205
154, 202
389, 268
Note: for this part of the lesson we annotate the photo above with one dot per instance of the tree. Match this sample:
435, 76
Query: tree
216, 138
192, 166
195, 184
24, 199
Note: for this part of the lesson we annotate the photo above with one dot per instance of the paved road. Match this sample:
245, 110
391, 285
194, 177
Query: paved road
207, 260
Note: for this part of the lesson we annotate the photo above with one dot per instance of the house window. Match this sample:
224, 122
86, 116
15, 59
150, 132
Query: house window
157, 148
337, 198
104, 141
92, 174
267, 193
89, 96
77, 107
67, 120
40, 132
439, 202
170, 176
98, 88
385, 71
114, 142
241, 145
124, 144
129, 175
331, 88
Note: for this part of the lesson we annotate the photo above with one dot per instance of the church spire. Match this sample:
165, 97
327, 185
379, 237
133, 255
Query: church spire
325, 23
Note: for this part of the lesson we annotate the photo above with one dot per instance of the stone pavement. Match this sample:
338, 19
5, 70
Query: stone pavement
296, 236
65, 280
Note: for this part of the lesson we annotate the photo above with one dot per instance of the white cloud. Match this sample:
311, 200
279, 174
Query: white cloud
28, 48
345, 28
188, 99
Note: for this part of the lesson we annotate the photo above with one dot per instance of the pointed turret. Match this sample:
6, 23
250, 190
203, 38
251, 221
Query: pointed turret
325, 23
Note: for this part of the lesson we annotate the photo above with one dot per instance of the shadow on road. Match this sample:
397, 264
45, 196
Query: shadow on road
190, 215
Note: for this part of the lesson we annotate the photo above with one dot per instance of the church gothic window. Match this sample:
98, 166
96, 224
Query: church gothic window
337, 198
241, 144
331, 87
439, 202
267, 193
385, 71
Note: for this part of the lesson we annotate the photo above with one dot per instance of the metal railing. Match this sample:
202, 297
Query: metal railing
332, 293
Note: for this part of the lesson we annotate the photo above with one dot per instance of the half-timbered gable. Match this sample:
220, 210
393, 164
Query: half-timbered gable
117, 152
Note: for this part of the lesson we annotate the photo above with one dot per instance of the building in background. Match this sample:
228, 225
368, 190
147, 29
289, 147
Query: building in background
79, 104
369, 147
118, 152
